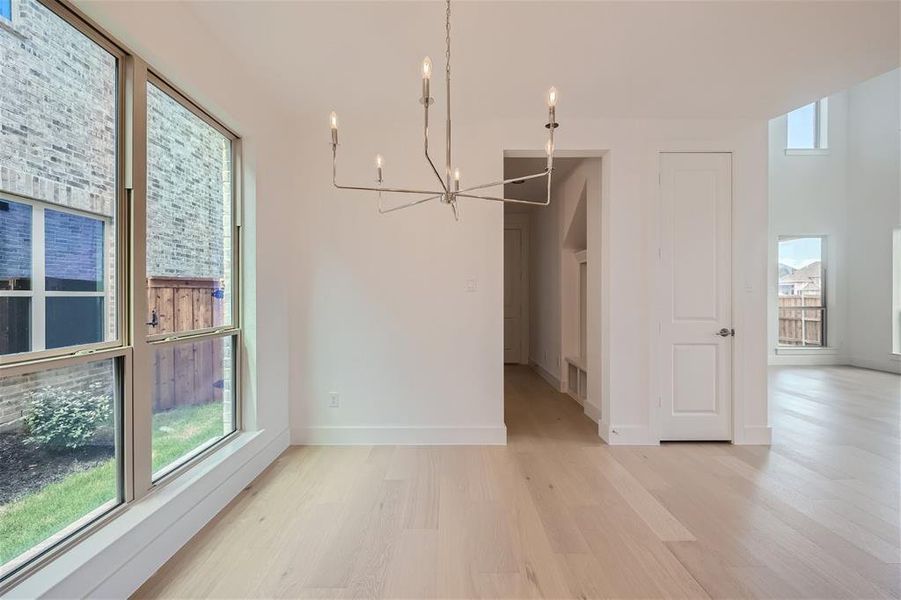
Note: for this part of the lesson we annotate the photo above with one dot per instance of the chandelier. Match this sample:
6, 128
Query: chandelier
450, 190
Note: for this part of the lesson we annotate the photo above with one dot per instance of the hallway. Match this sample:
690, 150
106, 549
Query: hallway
557, 514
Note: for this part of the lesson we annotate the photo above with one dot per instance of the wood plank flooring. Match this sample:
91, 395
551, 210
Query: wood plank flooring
557, 514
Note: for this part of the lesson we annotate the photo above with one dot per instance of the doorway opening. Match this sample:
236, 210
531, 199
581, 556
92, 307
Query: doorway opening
553, 284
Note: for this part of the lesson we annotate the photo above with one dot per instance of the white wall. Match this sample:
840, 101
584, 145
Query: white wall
114, 561
874, 210
383, 317
544, 287
851, 195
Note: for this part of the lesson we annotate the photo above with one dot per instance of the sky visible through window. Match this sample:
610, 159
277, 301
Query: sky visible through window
800, 252
802, 124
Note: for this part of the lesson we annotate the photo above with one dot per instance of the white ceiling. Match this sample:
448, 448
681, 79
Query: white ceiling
609, 59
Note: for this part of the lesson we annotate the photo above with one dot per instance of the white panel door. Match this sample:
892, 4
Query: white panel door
513, 295
695, 296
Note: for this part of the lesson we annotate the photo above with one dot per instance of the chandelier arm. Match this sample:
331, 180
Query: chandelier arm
546, 172
511, 200
383, 211
373, 189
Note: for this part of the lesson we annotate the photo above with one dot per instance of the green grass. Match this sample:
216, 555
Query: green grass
176, 432
34, 518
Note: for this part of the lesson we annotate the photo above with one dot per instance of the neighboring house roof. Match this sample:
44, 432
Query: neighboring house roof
809, 274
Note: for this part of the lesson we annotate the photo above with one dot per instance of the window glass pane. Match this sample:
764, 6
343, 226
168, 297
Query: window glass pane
15, 245
72, 321
6, 9
58, 140
189, 219
802, 311
73, 251
193, 399
802, 127
59, 432
15, 326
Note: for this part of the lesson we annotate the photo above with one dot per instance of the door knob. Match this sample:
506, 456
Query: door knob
724, 332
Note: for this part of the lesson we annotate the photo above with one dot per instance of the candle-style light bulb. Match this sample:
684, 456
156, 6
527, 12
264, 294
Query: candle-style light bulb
333, 122
378, 165
456, 179
426, 80
552, 97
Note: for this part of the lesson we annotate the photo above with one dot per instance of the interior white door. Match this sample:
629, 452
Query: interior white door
695, 296
513, 295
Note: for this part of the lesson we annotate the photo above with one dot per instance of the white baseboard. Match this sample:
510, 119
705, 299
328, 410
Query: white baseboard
592, 412
754, 436
604, 431
554, 382
116, 560
400, 436
888, 365
631, 435
802, 360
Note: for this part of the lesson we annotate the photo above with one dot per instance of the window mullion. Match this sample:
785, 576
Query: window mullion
38, 281
136, 181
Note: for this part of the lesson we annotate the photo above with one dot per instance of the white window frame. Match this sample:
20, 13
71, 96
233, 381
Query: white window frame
824, 296
820, 133
896, 293
39, 293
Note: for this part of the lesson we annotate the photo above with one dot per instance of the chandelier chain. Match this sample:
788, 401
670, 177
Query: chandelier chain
447, 40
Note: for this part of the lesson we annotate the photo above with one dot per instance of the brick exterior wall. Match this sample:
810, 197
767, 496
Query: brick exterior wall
58, 145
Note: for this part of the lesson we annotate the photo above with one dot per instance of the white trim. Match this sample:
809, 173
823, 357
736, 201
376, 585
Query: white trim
806, 350
806, 151
114, 561
592, 412
632, 435
601, 359
805, 359
891, 365
554, 382
402, 435
754, 436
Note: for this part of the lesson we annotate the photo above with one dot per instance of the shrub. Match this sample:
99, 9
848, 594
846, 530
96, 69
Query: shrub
68, 418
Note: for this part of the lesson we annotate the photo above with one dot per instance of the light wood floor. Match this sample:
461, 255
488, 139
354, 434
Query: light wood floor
556, 514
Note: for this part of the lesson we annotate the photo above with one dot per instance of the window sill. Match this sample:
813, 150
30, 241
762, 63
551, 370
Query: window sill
113, 544
801, 351
806, 151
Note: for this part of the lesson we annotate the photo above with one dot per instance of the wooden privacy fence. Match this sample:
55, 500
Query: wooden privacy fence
801, 326
187, 373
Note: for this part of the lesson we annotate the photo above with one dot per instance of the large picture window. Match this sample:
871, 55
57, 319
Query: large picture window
114, 376
189, 278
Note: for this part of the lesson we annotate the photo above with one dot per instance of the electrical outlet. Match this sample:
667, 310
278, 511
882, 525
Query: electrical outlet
334, 401
472, 285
